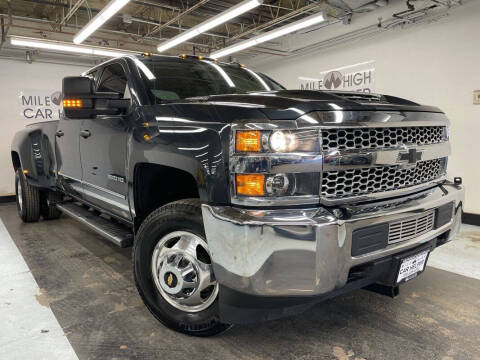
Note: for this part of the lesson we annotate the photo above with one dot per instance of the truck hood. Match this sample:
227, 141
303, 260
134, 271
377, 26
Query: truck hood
290, 104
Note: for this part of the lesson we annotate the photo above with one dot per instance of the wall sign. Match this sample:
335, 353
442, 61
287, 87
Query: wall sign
39, 105
358, 77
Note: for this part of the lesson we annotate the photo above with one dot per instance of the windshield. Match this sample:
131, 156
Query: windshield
175, 79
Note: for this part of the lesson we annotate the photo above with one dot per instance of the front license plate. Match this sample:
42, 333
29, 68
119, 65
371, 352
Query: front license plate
411, 266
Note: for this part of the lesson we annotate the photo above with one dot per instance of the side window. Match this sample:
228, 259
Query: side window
114, 80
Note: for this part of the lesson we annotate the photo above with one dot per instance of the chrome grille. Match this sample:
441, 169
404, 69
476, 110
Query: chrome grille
367, 138
355, 182
410, 228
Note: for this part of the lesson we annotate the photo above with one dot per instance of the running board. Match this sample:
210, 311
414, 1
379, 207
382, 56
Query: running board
116, 233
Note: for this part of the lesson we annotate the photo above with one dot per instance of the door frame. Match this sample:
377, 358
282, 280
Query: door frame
87, 186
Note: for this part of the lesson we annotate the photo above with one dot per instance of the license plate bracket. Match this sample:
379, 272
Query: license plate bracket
411, 266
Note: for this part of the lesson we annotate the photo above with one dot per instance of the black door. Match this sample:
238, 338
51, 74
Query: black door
103, 149
69, 166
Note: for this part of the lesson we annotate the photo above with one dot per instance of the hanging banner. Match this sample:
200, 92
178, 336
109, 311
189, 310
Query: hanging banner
39, 105
358, 77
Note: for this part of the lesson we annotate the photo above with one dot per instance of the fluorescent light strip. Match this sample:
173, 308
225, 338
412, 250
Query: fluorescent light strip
221, 18
109, 53
63, 47
221, 72
300, 24
229, 14
107, 12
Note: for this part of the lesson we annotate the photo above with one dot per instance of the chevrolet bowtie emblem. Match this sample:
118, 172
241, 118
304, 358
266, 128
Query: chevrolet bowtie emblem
170, 280
411, 156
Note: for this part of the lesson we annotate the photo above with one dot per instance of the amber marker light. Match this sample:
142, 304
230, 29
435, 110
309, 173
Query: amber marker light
250, 184
246, 141
72, 103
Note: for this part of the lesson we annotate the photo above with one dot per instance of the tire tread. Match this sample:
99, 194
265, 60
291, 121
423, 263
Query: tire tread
50, 212
189, 207
31, 200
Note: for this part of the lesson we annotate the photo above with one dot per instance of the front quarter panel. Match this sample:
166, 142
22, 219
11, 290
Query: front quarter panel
182, 141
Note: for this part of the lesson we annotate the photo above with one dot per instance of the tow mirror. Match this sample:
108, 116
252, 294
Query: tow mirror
80, 101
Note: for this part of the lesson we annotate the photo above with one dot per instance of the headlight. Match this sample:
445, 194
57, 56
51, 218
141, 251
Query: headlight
276, 185
262, 185
278, 141
275, 167
283, 141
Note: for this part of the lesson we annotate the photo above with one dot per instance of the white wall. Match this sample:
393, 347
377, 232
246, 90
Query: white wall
16, 76
436, 64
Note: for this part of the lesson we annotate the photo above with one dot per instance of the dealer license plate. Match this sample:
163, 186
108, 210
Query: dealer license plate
411, 266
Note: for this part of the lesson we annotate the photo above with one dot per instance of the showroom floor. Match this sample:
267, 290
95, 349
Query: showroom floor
85, 292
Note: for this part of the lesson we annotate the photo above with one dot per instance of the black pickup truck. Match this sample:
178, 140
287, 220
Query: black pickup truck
243, 201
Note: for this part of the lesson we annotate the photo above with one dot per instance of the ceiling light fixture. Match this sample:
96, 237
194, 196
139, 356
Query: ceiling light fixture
219, 19
65, 47
270, 35
107, 12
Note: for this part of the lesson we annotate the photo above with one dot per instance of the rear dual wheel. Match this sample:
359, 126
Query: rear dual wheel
48, 201
27, 197
173, 270
33, 203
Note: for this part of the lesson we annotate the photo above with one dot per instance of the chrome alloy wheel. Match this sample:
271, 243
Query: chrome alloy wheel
19, 194
183, 272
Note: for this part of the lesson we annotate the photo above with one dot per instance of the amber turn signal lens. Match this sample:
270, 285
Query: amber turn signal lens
72, 103
248, 141
250, 184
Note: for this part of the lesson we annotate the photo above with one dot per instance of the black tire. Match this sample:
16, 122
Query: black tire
176, 216
27, 198
48, 201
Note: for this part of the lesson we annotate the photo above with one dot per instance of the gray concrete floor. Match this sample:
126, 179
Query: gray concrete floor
87, 283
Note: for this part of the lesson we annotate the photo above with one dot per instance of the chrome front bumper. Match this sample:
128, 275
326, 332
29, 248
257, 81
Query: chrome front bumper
307, 252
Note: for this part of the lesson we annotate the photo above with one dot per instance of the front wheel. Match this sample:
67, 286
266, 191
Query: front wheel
27, 198
173, 270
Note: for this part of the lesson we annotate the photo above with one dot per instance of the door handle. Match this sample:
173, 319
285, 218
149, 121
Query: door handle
59, 133
85, 134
